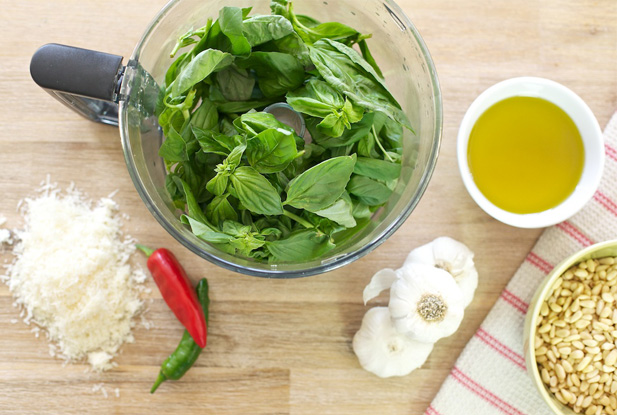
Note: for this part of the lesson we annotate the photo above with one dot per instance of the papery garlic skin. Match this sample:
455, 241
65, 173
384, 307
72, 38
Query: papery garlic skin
415, 299
384, 351
382, 280
452, 256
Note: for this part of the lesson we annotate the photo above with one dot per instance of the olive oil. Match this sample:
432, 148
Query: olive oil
525, 154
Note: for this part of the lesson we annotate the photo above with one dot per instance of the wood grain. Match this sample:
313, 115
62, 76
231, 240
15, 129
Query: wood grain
276, 347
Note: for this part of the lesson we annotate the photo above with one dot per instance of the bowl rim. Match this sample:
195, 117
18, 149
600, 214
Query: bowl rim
533, 313
331, 263
593, 142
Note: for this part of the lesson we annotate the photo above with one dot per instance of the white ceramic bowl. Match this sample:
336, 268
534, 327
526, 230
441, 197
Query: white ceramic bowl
586, 123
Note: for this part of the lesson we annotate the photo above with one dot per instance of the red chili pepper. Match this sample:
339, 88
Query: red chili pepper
177, 291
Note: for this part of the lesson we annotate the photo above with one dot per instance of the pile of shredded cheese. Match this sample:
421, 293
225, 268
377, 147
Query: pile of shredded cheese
72, 277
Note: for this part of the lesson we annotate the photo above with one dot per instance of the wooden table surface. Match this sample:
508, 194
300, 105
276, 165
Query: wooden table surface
276, 346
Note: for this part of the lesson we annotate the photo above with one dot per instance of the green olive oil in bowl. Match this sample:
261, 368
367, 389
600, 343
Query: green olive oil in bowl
525, 154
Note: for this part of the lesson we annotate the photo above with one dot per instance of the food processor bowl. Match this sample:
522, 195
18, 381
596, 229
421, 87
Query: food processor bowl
409, 74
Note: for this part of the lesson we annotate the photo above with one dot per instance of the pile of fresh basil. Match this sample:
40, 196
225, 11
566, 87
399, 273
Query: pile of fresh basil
248, 184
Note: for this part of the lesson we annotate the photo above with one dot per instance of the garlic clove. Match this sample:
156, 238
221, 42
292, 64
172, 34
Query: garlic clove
423, 254
382, 280
426, 303
452, 256
384, 351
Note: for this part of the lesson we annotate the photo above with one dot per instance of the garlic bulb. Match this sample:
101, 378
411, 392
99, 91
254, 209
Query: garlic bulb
426, 304
452, 256
384, 351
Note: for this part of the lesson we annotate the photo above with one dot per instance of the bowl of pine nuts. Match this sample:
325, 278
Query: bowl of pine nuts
571, 333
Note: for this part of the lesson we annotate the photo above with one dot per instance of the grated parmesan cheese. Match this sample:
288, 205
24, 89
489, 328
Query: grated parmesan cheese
72, 277
5, 237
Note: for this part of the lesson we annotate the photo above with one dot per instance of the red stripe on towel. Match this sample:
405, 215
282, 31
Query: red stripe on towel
501, 348
539, 263
514, 301
431, 411
576, 234
484, 393
610, 151
607, 203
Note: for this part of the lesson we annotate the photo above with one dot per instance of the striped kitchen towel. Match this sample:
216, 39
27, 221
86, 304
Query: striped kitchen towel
490, 377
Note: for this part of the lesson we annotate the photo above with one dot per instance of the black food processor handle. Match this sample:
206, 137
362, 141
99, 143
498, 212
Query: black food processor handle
84, 80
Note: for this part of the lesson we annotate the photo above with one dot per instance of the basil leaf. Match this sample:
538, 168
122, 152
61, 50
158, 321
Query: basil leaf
255, 192
205, 232
377, 169
353, 80
226, 126
262, 29
218, 184
175, 192
235, 84
339, 212
368, 190
230, 21
361, 211
233, 160
192, 205
321, 185
173, 148
307, 21
193, 174
219, 210
392, 134
271, 150
354, 134
234, 107
236, 229
199, 68
328, 30
254, 123
356, 58
277, 73
291, 44
275, 233
205, 117
313, 32
247, 244
316, 98
279, 7
334, 125
368, 57
208, 142
347, 234
178, 147
366, 147
301, 245
354, 113
245, 241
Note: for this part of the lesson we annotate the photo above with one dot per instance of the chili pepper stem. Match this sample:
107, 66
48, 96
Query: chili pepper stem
145, 249
160, 379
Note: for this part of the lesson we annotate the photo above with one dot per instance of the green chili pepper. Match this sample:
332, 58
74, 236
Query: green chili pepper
187, 352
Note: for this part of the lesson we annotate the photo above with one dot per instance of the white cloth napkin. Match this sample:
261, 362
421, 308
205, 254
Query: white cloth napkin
490, 377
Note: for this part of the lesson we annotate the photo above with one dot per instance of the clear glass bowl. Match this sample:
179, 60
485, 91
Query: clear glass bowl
409, 73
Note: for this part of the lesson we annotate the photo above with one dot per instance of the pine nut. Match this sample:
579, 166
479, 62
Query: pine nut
611, 358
